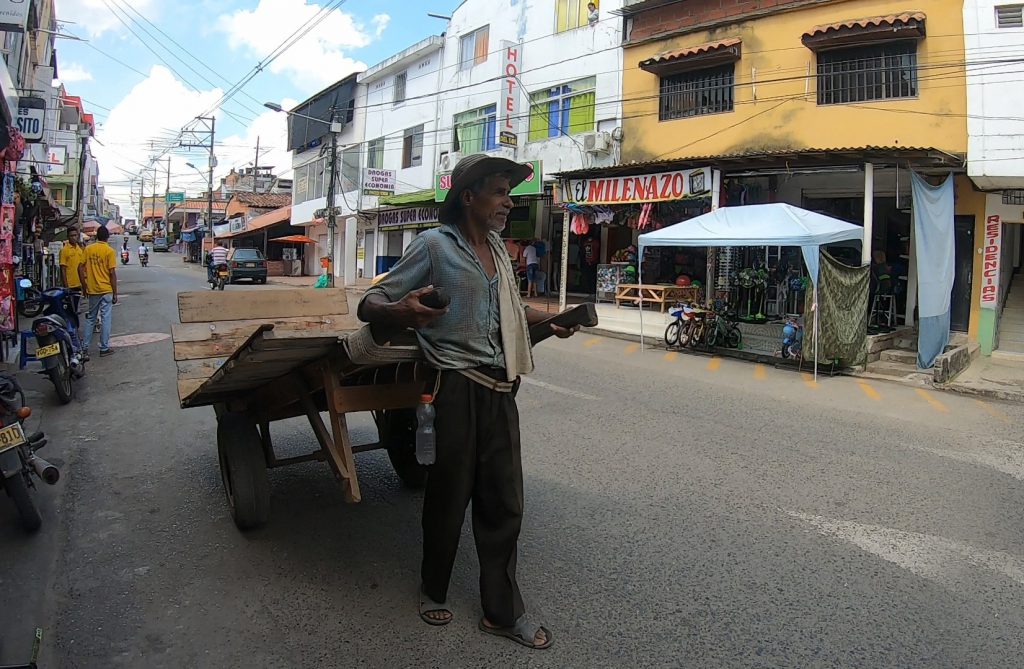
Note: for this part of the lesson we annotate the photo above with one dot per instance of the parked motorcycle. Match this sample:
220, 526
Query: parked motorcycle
18, 459
221, 277
58, 340
792, 339
144, 259
124, 257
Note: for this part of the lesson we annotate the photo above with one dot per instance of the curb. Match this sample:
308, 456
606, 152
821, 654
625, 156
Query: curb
1016, 396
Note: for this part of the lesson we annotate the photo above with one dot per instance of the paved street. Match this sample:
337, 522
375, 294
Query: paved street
681, 511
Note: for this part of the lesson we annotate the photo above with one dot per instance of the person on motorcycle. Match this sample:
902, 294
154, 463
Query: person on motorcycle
143, 251
218, 256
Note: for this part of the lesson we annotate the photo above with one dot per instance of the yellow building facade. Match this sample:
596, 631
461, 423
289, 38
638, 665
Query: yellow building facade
810, 93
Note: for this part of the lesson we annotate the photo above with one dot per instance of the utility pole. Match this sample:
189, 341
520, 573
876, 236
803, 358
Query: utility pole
199, 134
154, 199
256, 164
331, 222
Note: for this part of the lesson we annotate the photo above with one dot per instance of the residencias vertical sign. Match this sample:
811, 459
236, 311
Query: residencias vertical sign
990, 263
511, 66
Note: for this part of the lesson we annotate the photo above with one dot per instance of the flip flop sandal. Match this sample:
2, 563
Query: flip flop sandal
428, 605
523, 633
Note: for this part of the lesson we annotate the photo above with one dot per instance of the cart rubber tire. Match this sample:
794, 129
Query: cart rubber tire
18, 490
672, 333
398, 433
243, 470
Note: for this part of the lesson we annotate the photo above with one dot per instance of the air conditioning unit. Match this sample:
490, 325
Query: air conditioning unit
597, 142
450, 160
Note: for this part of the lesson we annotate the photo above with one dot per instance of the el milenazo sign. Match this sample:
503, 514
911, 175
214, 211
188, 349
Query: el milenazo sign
661, 187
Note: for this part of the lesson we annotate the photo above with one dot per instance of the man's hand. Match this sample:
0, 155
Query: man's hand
564, 333
410, 312
114, 301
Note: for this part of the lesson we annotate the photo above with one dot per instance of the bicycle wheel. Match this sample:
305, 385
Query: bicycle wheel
714, 335
697, 334
734, 337
685, 334
672, 333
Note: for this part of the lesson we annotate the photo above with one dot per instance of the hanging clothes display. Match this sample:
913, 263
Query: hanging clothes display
935, 244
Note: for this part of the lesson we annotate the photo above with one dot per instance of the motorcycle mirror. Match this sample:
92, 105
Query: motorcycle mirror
25, 283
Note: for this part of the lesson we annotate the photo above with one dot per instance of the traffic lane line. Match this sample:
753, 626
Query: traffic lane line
932, 401
714, 363
760, 372
632, 348
809, 380
671, 355
559, 389
592, 342
992, 411
869, 391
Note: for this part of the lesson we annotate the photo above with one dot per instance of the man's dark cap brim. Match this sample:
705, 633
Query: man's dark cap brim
474, 168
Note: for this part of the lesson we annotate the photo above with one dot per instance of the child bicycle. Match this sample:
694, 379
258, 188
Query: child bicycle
723, 330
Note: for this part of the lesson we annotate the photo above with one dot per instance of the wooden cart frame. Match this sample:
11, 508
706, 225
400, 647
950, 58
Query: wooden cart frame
287, 359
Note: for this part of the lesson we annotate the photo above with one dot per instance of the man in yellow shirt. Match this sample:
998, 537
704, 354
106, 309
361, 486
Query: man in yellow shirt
99, 281
70, 258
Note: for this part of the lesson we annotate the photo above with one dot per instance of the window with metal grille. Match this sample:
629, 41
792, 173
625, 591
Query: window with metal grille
1013, 197
412, 147
1010, 16
878, 72
707, 91
400, 80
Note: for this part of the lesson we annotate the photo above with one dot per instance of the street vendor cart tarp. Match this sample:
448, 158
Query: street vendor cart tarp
776, 224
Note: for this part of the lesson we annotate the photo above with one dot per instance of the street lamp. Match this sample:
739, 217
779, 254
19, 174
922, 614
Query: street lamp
335, 130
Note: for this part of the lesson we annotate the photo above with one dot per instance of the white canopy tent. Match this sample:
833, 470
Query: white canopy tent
775, 224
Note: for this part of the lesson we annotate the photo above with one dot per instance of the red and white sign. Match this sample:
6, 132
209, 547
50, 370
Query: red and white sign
662, 187
990, 263
511, 66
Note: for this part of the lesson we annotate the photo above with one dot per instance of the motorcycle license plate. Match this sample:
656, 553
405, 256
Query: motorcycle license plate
11, 436
222, 275
47, 351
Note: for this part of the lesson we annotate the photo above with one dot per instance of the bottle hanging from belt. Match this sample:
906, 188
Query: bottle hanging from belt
425, 451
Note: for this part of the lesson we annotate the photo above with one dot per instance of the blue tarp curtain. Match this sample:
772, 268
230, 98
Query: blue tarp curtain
934, 243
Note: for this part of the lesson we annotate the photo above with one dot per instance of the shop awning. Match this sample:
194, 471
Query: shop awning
258, 224
905, 25
694, 57
293, 239
416, 197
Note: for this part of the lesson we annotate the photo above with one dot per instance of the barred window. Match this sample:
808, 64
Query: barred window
878, 72
1013, 197
707, 91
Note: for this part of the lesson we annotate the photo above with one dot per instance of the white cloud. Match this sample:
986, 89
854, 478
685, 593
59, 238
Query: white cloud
73, 72
92, 18
316, 59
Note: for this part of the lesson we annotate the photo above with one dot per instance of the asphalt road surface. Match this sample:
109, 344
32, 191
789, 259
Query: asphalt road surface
681, 511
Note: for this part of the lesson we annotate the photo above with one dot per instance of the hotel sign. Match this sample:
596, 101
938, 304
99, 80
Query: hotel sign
661, 187
512, 65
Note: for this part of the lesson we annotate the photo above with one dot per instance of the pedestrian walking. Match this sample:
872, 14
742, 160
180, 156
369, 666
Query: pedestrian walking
532, 267
480, 345
98, 273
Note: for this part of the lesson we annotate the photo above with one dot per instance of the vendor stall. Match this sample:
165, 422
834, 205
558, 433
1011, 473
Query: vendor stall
777, 225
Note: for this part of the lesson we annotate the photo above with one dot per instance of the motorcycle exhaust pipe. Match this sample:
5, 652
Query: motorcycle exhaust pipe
47, 472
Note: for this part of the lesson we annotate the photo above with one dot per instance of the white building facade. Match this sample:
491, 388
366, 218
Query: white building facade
533, 82
994, 41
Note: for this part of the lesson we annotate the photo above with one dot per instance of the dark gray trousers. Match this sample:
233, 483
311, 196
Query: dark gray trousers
478, 459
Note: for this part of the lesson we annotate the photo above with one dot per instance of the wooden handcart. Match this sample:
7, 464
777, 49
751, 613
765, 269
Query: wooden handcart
261, 356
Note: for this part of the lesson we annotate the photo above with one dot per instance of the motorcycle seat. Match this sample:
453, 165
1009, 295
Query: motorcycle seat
55, 319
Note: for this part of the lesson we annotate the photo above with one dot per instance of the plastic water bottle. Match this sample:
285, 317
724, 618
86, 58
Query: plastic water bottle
425, 450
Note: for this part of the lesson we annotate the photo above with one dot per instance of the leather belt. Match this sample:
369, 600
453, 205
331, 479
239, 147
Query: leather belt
498, 386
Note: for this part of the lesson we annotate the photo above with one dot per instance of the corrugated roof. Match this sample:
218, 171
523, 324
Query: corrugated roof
669, 56
264, 200
871, 22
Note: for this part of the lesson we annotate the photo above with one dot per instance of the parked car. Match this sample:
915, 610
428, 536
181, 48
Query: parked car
247, 264
160, 243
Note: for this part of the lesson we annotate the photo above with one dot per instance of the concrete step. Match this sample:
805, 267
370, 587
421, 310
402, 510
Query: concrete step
1009, 357
1011, 335
896, 370
900, 355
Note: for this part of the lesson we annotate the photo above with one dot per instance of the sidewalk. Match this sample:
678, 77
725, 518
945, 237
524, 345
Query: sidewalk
1001, 379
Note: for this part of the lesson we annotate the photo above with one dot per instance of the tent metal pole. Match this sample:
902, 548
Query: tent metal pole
640, 292
816, 310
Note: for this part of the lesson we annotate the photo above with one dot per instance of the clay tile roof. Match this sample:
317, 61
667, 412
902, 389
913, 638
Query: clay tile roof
669, 56
895, 20
265, 200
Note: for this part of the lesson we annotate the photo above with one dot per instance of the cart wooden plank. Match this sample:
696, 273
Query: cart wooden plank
299, 326
210, 305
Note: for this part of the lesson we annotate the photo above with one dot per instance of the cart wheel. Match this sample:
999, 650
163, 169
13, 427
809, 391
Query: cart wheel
243, 470
398, 433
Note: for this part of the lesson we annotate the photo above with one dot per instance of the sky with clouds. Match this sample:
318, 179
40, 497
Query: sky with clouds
148, 67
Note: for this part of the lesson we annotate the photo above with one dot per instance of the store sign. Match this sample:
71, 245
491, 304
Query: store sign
31, 117
990, 266
410, 217
56, 157
662, 187
512, 65
532, 185
378, 182
175, 198
237, 224
14, 14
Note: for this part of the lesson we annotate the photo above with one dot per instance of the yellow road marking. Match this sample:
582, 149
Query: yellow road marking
714, 364
994, 412
935, 404
760, 372
592, 342
671, 355
809, 380
632, 348
869, 391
